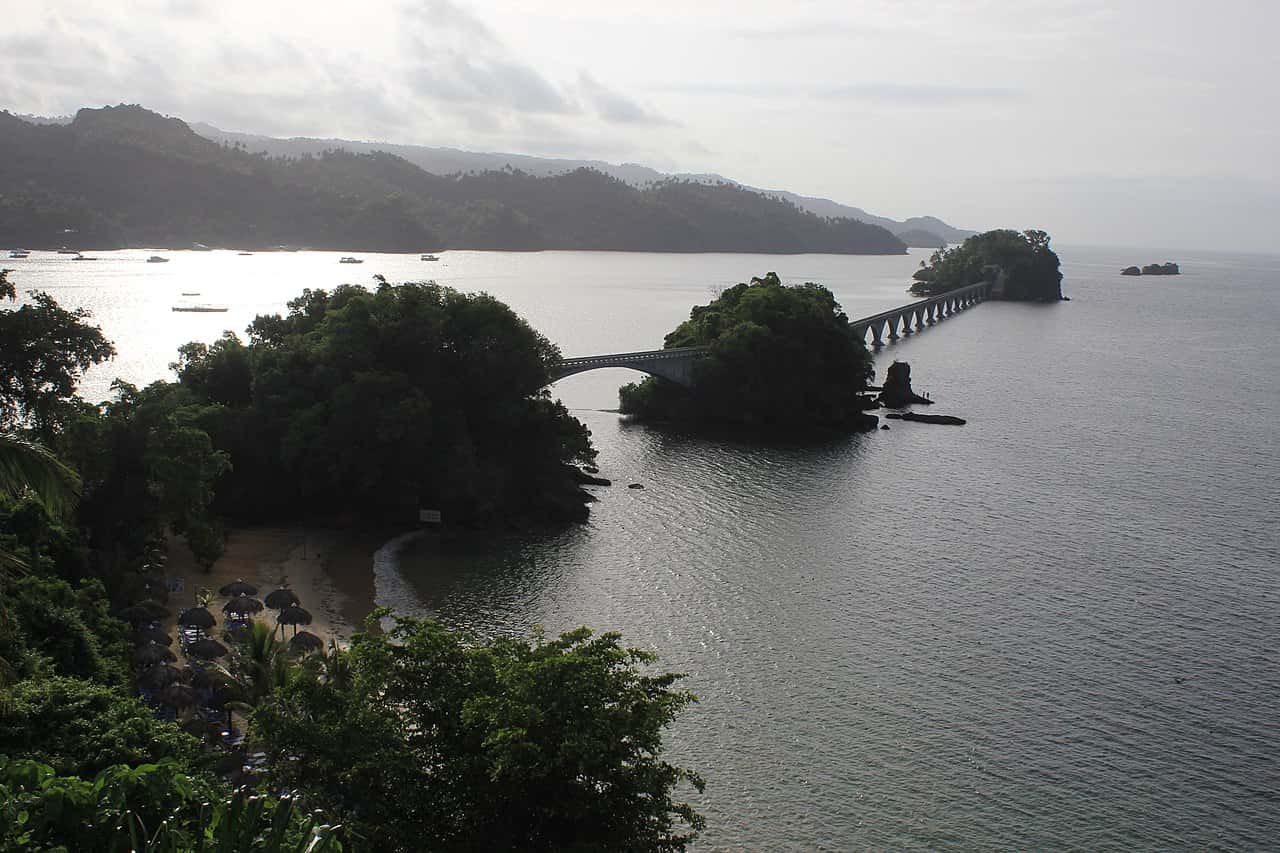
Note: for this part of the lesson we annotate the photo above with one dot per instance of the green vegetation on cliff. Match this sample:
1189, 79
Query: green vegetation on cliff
1021, 266
781, 359
125, 176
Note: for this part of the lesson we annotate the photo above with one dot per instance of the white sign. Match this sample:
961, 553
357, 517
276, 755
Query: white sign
429, 516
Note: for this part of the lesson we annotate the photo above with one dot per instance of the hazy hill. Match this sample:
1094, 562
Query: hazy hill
127, 176
926, 231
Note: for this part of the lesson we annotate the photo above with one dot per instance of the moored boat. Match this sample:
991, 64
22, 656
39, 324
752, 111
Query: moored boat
156, 259
430, 257
19, 253
201, 309
347, 259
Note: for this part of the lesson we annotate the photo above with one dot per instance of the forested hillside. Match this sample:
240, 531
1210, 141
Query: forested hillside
125, 176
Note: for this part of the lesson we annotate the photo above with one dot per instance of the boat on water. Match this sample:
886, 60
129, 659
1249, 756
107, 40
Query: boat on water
68, 251
244, 254
430, 258
200, 247
19, 253
201, 309
347, 259
190, 293
80, 257
156, 259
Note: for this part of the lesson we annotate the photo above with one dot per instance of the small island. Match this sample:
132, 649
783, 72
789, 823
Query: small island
1168, 268
781, 360
1020, 267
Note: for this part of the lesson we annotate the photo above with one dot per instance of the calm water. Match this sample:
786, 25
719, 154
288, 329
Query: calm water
1054, 627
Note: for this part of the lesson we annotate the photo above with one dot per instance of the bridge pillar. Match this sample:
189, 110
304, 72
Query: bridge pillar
893, 327
877, 331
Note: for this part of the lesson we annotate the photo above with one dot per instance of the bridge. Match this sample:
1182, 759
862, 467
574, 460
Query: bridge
677, 364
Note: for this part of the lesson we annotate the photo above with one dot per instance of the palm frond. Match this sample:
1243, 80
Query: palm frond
27, 465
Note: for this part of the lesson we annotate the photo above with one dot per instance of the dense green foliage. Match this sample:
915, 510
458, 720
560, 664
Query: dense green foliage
150, 808
780, 359
378, 403
419, 739
1021, 266
125, 176
44, 350
425, 739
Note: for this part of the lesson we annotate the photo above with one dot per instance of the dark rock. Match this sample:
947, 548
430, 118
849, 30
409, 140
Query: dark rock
896, 391
591, 469
1130, 271
1169, 268
583, 478
927, 419
635, 486
885, 426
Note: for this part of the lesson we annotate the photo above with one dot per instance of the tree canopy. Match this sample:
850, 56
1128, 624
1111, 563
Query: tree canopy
379, 402
780, 359
430, 739
1021, 266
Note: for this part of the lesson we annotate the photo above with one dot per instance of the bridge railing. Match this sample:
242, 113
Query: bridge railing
674, 352
922, 303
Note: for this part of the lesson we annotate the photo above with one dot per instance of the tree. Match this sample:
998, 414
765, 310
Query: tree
44, 350
1020, 266
80, 727
439, 741
378, 403
780, 360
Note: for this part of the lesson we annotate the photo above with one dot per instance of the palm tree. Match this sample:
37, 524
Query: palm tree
28, 467
258, 664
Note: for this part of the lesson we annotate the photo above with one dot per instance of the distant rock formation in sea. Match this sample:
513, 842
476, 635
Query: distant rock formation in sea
1169, 268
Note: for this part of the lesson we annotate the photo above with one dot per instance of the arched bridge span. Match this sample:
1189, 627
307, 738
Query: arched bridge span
677, 364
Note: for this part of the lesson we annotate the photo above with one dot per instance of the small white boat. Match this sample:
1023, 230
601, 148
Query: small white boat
19, 253
347, 259
200, 247
190, 293
80, 257
156, 259
201, 309
430, 258
68, 252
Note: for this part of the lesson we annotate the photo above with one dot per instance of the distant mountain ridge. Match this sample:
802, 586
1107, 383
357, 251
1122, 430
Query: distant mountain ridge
127, 176
923, 231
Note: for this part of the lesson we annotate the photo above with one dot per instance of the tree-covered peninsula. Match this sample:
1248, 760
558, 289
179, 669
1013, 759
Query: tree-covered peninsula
423, 738
1021, 266
779, 360
374, 404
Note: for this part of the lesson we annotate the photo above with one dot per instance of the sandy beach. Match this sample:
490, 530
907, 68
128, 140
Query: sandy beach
331, 571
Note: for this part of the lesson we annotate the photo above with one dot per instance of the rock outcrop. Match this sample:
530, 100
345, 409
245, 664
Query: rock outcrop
1131, 271
897, 391
1169, 268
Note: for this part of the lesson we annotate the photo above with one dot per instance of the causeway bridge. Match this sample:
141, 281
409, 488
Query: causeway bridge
677, 364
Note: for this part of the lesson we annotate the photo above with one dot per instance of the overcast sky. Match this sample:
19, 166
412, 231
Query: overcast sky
1132, 122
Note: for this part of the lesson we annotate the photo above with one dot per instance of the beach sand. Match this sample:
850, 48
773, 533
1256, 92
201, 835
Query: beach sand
331, 571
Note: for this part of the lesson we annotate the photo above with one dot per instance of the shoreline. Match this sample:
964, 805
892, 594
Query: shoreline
330, 570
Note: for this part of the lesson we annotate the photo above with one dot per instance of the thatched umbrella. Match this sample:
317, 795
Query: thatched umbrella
154, 635
206, 649
196, 617
158, 676
179, 696
294, 616
204, 678
149, 654
143, 612
282, 598
305, 641
238, 587
242, 605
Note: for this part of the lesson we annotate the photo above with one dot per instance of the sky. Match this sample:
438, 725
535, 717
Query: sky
1131, 122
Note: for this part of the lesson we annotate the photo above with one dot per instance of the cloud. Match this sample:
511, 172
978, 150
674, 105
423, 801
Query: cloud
614, 106
883, 92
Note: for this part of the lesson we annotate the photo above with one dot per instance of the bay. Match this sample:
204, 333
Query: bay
1053, 627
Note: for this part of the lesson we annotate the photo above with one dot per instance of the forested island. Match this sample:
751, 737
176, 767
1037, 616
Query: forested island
124, 176
780, 360
356, 403
1020, 266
